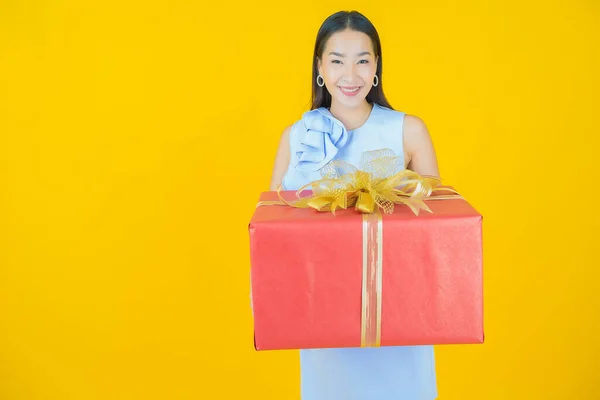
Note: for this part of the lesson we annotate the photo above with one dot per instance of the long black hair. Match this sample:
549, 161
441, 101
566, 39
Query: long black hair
340, 21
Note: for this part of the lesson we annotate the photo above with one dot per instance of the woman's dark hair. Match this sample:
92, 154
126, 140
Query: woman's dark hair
341, 21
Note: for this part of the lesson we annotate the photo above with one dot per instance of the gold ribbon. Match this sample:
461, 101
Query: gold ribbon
380, 183
372, 241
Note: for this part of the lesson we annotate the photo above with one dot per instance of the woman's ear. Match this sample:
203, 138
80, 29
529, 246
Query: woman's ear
319, 66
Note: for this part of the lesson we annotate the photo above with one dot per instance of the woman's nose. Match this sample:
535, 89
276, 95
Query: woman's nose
350, 73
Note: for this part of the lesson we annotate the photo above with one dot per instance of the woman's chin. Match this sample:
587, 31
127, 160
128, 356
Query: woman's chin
349, 102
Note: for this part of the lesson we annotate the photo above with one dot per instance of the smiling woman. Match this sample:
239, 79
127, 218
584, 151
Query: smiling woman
347, 92
350, 115
347, 64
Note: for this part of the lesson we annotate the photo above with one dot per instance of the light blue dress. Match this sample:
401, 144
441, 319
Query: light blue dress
384, 373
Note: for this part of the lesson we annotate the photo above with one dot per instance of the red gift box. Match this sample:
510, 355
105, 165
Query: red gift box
358, 280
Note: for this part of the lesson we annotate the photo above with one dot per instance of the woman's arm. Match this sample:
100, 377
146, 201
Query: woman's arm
282, 159
419, 148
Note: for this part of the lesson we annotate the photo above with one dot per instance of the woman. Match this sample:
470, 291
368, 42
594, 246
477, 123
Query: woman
350, 115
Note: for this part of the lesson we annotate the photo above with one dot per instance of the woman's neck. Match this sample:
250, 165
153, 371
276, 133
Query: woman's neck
352, 118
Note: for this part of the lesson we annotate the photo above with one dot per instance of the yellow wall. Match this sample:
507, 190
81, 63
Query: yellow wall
120, 120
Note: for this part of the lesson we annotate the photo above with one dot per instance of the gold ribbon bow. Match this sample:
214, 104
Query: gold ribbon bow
380, 182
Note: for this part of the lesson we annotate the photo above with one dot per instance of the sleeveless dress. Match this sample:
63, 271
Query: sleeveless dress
381, 373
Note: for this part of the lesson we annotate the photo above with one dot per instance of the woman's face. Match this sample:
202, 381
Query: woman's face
348, 66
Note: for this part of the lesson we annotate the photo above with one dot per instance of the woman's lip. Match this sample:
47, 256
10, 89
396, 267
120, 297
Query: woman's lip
353, 93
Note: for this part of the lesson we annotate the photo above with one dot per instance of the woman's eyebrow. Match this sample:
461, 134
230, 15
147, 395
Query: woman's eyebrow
334, 53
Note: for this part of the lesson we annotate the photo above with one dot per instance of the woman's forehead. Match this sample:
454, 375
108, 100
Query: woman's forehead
349, 43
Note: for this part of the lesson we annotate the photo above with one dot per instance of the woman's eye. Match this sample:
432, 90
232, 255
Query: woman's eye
363, 62
336, 62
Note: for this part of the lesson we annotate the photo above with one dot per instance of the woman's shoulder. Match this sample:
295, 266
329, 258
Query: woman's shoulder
412, 124
390, 115
414, 127
287, 133
317, 119
290, 132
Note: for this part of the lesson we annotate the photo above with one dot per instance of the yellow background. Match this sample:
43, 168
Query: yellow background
121, 120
